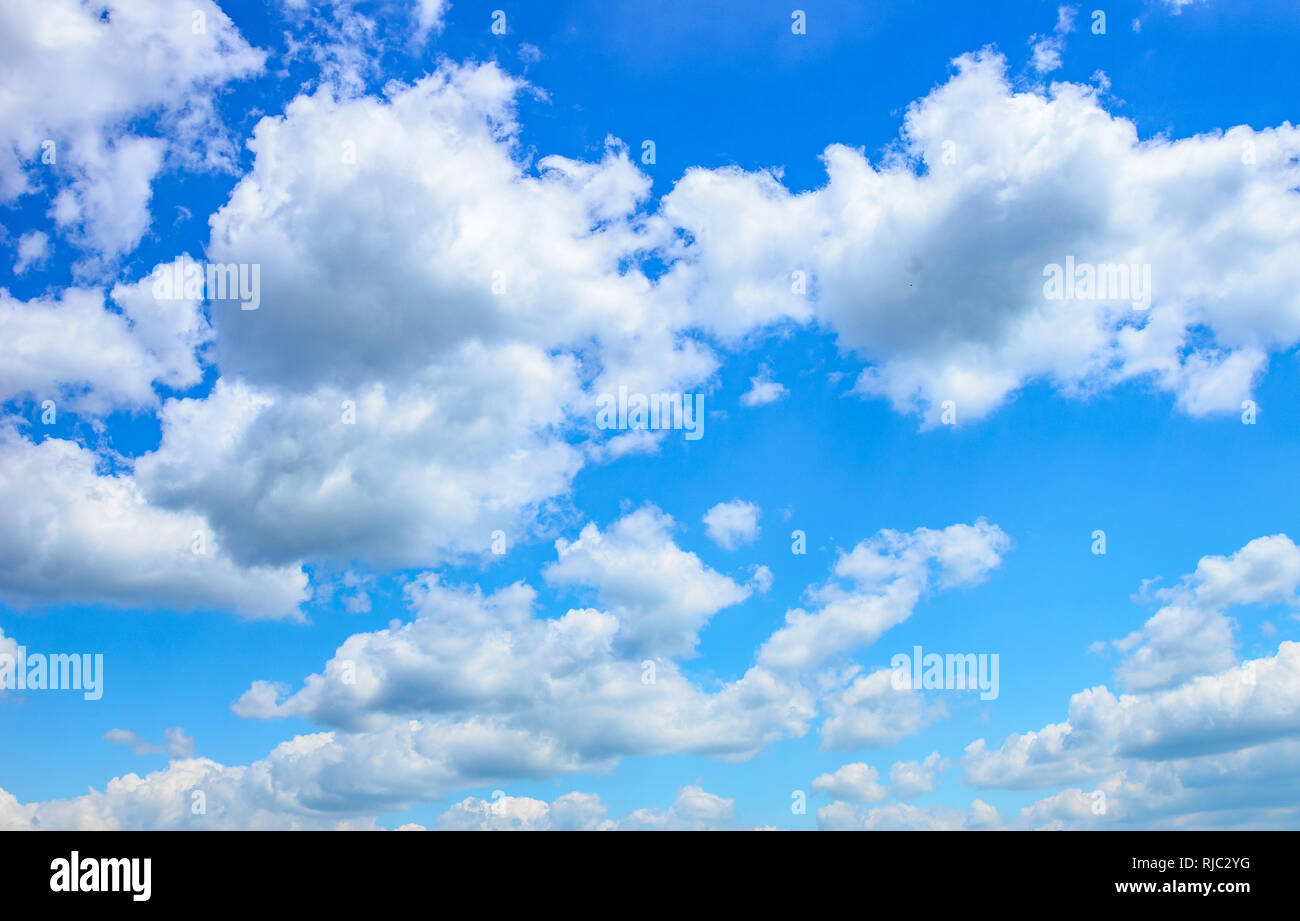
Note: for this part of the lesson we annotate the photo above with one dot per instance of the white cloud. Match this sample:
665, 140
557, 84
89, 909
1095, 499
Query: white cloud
571, 812
870, 711
133, 741
694, 810
76, 72
429, 17
295, 788
470, 246
1206, 743
858, 783
929, 263
762, 390
661, 595
1047, 49
33, 251
840, 816
908, 779
323, 780
427, 470
472, 326
73, 535
886, 576
558, 683
177, 743
76, 351
731, 524
1191, 635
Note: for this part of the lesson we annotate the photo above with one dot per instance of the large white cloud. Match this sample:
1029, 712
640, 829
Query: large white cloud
396, 229
929, 263
472, 307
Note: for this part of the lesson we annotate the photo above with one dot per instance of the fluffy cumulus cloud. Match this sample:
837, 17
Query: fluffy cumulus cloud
571, 812
426, 372
930, 263
477, 690
405, 474
472, 327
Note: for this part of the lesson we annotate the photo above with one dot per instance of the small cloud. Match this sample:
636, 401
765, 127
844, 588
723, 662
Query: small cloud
730, 524
179, 745
636, 441
33, 251
1047, 49
429, 18
762, 389
131, 740
176, 743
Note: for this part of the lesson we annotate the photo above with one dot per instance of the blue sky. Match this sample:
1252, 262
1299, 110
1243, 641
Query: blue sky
1123, 701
